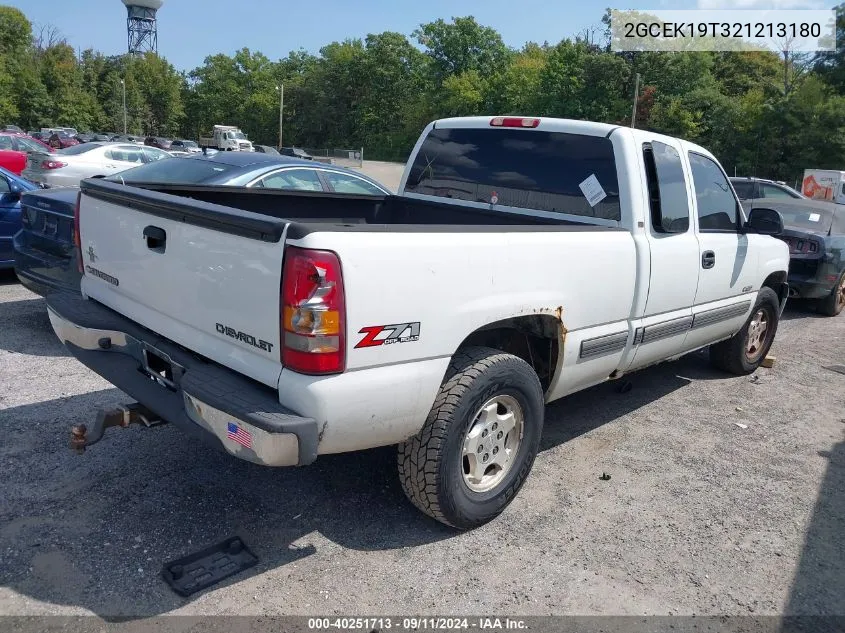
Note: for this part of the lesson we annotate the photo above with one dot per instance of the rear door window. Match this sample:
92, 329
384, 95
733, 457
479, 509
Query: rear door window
770, 191
667, 188
347, 183
528, 169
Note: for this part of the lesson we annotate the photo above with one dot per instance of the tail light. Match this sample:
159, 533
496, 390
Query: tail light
52, 164
77, 239
514, 121
800, 246
313, 312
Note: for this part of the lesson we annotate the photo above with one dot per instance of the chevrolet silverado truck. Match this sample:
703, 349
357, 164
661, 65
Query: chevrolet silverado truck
522, 260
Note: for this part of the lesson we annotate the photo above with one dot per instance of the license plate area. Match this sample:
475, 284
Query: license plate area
158, 366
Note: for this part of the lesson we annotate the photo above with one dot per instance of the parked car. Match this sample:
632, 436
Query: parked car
12, 128
14, 149
259, 171
128, 138
524, 259
11, 188
84, 137
44, 257
45, 266
753, 188
68, 166
296, 153
40, 136
185, 146
815, 233
159, 142
99, 137
266, 149
61, 140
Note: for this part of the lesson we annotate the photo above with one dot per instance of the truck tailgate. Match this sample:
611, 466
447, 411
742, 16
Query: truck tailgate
202, 275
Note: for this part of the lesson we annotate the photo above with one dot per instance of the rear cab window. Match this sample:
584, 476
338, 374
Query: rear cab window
551, 172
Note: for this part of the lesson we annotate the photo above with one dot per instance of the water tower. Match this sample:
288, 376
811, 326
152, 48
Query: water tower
141, 25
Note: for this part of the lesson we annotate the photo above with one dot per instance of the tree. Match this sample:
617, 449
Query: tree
462, 46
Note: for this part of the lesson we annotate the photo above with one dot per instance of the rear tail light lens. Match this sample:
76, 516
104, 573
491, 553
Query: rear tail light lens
313, 312
514, 121
77, 239
52, 164
802, 246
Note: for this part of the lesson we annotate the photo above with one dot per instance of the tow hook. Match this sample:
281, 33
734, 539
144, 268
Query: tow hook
81, 436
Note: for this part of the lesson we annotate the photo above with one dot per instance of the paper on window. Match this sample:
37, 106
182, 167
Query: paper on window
815, 217
592, 190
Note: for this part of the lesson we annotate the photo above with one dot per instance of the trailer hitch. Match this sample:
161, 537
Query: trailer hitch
81, 436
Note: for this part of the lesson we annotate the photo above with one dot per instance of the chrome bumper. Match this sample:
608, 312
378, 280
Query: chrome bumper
198, 395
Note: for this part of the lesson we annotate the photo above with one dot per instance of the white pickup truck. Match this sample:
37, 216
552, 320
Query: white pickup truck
523, 259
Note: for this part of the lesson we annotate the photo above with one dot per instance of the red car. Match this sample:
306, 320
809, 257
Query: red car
60, 140
14, 149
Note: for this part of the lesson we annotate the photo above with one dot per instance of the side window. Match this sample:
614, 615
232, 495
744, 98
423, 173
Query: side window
745, 190
5, 142
152, 154
293, 179
346, 183
770, 191
717, 207
667, 189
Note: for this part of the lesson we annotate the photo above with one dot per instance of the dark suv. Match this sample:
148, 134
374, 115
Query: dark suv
159, 142
752, 188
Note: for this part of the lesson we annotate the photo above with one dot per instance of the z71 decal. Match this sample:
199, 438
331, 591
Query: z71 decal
396, 333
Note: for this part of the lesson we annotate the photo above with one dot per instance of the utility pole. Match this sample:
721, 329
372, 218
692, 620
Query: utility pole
636, 96
281, 89
123, 83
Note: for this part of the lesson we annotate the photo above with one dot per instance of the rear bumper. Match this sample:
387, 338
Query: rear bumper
42, 272
813, 288
201, 398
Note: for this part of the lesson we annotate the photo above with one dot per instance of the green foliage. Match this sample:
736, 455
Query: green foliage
758, 112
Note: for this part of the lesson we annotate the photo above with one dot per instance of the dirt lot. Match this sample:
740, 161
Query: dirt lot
388, 174
700, 516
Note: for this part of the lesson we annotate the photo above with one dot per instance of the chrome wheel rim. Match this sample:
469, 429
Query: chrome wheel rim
757, 332
491, 443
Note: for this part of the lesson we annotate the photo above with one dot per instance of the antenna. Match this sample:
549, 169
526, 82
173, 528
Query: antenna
141, 25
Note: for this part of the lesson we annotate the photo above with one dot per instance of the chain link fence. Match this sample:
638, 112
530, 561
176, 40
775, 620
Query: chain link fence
341, 157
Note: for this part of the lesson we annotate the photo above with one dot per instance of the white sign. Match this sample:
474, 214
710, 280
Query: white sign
815, 217
592, 190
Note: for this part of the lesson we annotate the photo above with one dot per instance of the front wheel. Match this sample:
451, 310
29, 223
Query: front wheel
479, 441
744, 351
834, 303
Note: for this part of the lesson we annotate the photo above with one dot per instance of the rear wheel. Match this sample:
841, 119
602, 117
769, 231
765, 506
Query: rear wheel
835, 301
744, 351
479, 441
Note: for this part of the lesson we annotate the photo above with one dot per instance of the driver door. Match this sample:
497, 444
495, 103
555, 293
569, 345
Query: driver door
726, 279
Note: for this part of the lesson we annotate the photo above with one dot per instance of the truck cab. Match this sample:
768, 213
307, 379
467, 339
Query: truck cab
227, 138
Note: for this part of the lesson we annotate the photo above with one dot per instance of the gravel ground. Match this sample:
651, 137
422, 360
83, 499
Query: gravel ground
700, 516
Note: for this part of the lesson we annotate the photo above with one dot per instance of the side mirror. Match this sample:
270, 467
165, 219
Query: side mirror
14, 192
764, 221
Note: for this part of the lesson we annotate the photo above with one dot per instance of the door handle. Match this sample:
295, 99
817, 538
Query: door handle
156, 238
708, 259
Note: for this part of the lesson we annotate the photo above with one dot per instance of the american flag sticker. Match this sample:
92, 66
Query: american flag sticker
239, 435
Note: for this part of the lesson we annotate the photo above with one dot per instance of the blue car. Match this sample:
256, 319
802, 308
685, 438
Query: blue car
45, 258
11, 188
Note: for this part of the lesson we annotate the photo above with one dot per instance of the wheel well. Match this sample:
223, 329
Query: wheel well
535, 339
777, 282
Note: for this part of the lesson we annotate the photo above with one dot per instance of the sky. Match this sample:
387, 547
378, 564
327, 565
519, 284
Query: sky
190, 30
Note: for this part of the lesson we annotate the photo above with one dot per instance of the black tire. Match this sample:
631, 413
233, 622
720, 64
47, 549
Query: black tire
834, 303
431, 464
731, 355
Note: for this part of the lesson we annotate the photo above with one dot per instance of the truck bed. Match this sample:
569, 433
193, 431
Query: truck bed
239, 209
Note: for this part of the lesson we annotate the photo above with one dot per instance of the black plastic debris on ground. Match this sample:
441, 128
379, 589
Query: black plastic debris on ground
200, 570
